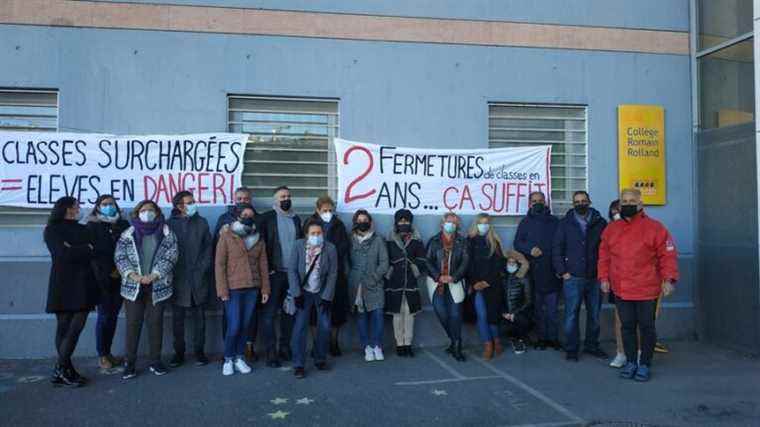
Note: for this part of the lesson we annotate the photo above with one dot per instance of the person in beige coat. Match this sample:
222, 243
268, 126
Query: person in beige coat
242, 273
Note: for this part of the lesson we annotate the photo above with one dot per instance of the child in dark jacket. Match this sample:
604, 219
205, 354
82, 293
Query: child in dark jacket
518, 306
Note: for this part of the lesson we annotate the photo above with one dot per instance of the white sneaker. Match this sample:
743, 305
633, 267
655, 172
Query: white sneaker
379, 354
241, 366
227, 368
619, 361
369, 354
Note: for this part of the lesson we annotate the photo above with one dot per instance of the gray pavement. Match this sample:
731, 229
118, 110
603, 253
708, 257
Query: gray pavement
695, 384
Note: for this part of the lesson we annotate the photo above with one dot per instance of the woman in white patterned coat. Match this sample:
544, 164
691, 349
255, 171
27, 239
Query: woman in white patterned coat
145, 256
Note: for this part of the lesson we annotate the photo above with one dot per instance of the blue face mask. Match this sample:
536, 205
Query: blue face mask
191, 210
108, 210
449, 227
315, 240
483, 229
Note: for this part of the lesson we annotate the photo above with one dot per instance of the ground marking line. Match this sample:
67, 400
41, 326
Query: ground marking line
449, 380
535, 393
554, 424
445, 365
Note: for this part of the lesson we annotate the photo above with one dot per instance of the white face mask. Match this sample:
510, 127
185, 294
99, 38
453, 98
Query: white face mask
483, 229
147, 216
512, 268
326, 216
238, 228
315, 240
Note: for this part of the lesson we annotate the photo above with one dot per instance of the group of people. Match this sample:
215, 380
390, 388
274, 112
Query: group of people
292, 276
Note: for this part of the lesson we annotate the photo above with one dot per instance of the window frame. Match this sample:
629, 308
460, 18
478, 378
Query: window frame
697, 52
262, 197
29, 217
513, 221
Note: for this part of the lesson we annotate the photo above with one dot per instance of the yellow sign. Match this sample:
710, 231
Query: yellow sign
641, 151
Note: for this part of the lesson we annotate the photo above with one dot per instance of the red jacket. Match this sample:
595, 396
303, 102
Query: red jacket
636, 257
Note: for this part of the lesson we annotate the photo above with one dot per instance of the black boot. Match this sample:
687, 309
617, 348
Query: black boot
272, 360
55, 378
450, 348
285, 355
79, 378
69, 379
458, 355
335, 348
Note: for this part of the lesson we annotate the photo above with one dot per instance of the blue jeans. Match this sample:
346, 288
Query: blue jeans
546, 316
238, 310
301, 329
108, 315
579, 290
449, 314
371, 328
487, 331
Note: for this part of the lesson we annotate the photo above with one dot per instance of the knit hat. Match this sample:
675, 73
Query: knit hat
403, 214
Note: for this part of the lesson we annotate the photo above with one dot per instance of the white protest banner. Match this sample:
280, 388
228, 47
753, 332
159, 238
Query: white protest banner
37, 168
383, 179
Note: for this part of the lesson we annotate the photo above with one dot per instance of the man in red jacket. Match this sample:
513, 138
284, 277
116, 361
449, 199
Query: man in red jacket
638, 258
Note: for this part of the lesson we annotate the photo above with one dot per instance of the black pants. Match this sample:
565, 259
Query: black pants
519, 328
69, 327
638, 315
279, 285
199, 328
137, 311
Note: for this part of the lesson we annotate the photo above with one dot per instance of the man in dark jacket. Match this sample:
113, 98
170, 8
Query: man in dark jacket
192, 280
281, 228
534, 239
575, 255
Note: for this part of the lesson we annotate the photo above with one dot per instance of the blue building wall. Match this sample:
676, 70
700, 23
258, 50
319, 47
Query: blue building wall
425, 95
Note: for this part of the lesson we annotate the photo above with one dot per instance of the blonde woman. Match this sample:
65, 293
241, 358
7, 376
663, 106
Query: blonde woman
447, 259
483, 280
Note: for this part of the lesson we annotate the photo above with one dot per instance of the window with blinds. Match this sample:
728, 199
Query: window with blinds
564, 127
30, 111
291, 143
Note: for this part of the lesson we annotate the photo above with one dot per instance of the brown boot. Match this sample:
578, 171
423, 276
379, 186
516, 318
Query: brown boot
105, 363
488, 350
497, 348
115, 361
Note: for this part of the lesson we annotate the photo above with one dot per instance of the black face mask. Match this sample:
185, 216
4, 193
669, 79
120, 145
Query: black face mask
285, 205
538, 208
628, 211
362, 226
581, 209
248, 222
403, 228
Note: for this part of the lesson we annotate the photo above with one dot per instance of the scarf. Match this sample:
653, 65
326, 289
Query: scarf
447, 243
146, 228
364, 238
311, 253
251, 240
108, 219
